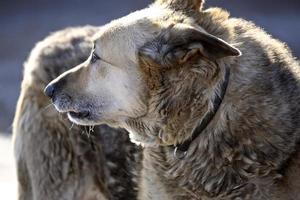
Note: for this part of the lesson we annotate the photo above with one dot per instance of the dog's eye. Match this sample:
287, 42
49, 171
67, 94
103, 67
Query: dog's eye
94, 58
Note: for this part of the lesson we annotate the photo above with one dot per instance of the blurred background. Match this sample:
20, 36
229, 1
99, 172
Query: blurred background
23, 23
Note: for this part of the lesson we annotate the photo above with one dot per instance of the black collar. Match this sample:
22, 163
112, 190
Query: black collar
181, 149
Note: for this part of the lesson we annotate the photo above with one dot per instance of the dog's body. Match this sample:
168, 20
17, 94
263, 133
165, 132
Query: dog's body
57, 160
158, 73
249, 149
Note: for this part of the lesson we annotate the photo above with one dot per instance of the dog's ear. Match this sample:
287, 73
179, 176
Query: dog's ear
180, 44
182, 4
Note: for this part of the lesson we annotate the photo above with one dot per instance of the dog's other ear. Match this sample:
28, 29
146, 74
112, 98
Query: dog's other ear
182, 4
179, 44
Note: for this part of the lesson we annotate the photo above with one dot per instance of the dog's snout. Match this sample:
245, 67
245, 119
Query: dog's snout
49, 90
61, 84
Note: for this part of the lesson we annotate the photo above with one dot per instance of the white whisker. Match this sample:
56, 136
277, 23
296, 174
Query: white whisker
87, 132
71, 126
91, 129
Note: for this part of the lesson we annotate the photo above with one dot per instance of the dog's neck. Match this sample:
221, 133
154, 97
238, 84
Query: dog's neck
238, 145
181, 103
180, 150
233, 148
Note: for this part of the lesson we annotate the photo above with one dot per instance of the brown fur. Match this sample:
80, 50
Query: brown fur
177, 61
241, 152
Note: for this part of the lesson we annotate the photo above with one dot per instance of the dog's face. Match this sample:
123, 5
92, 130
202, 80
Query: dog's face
108, 87
132, 59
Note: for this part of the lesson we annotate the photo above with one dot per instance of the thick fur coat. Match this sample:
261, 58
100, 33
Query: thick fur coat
156, 73
249, 150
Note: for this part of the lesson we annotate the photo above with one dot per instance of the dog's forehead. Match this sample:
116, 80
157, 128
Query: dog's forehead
123, 37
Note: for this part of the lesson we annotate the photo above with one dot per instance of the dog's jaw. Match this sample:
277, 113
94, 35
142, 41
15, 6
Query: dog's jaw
143, 131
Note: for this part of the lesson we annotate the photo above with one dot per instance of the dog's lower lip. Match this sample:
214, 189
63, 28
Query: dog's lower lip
82, 114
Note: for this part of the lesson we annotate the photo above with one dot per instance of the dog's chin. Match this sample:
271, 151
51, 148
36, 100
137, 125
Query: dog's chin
143, 141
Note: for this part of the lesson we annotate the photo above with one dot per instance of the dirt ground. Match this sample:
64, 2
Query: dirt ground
8, 190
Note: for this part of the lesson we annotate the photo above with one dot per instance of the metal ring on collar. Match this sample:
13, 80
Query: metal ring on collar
179, 154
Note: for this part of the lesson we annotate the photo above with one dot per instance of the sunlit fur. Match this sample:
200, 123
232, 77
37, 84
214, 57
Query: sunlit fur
56, 159
161, 68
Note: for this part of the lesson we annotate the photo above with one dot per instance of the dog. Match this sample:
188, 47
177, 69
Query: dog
56, 159
213, 100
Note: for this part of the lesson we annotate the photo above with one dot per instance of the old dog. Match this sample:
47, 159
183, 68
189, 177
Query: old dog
213, 100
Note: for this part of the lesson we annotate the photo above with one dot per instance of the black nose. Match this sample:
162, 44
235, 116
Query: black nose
49, 90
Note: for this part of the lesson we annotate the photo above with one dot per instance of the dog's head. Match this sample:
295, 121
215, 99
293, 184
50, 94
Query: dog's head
139, 67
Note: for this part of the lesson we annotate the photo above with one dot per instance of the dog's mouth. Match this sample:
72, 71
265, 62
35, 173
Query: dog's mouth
72, 111
79, 115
